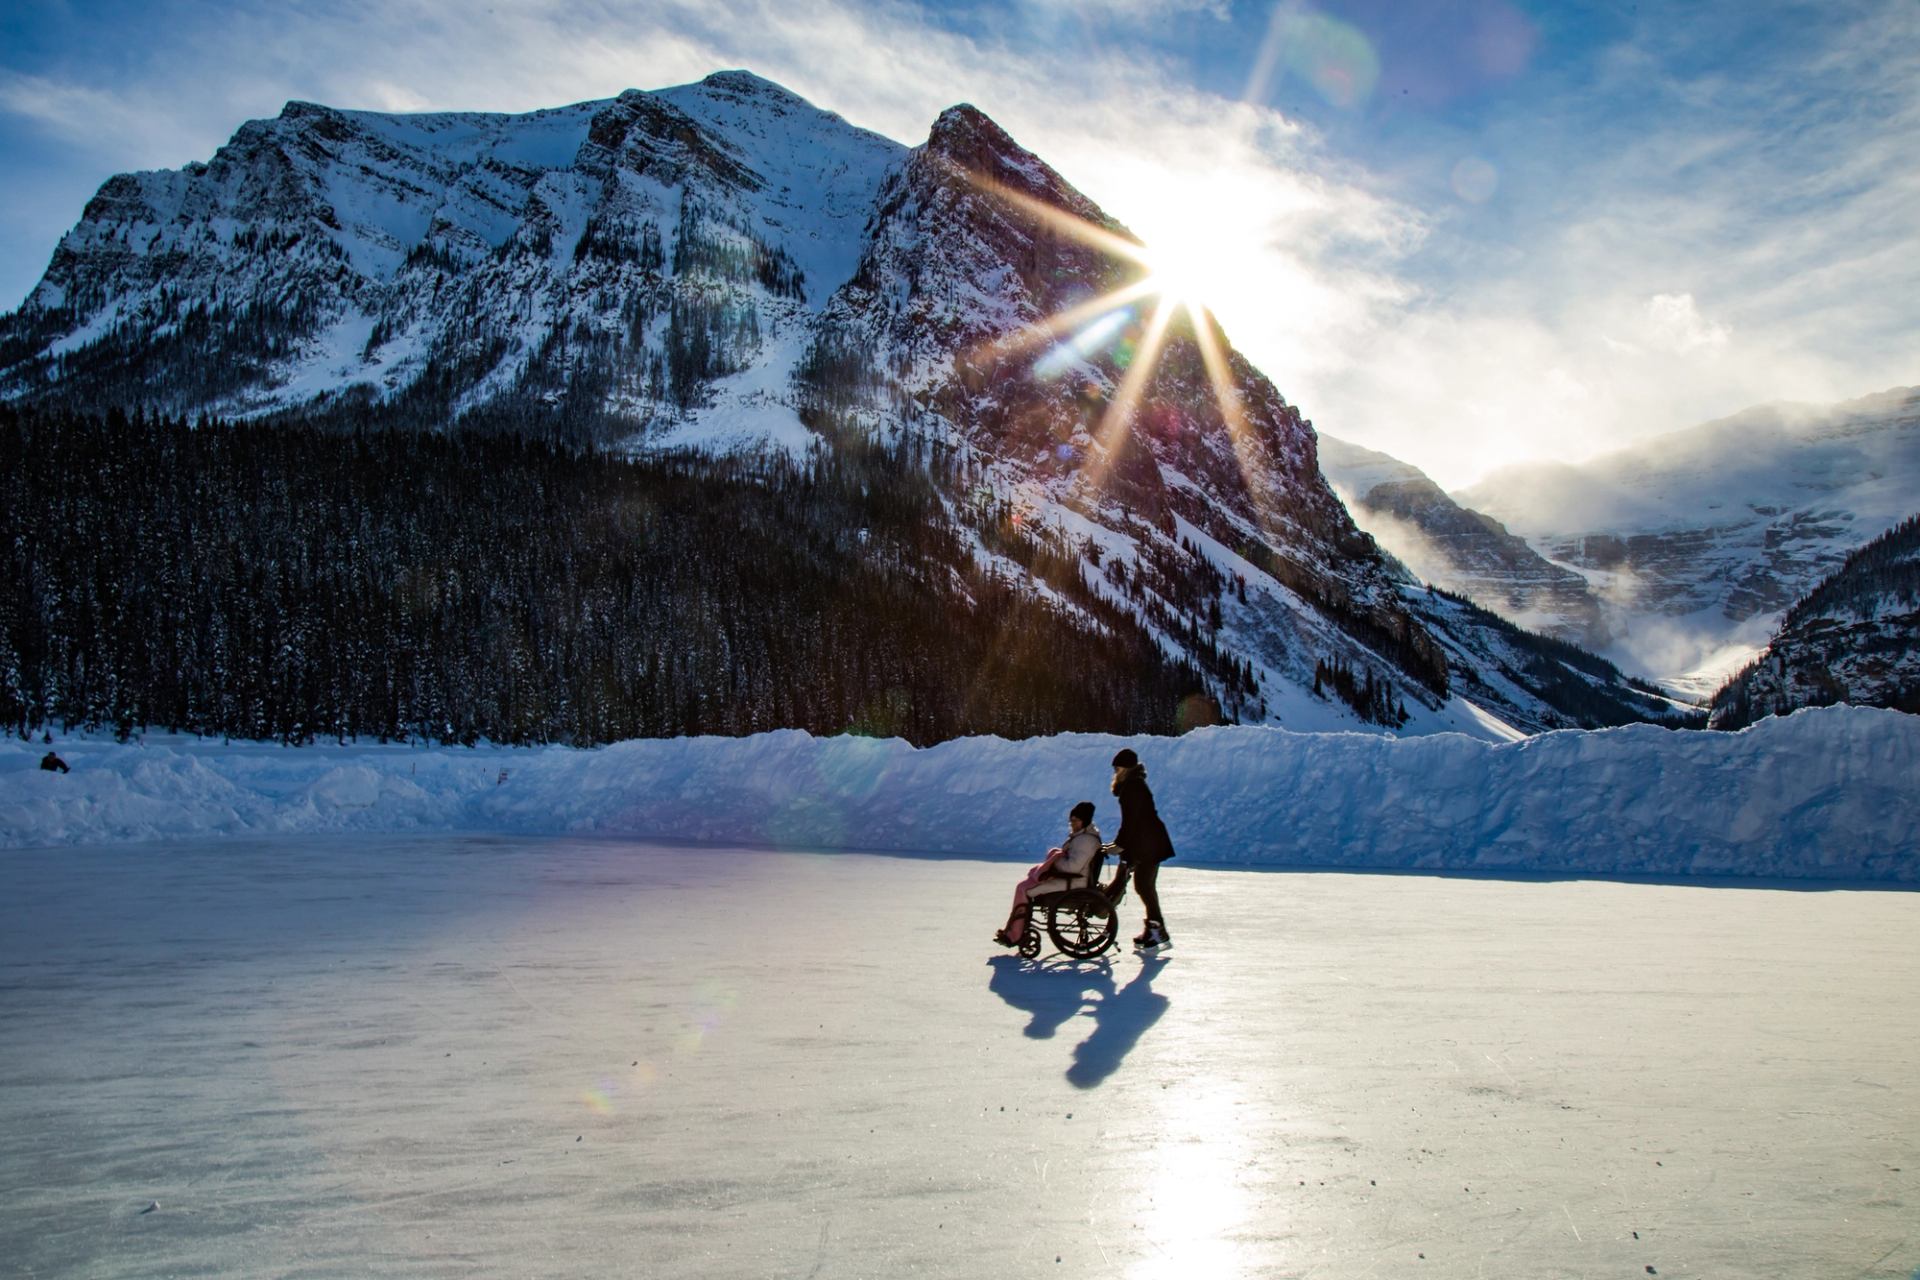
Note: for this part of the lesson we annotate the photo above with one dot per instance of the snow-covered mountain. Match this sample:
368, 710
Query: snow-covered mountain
599, 265
722, 266
1854, 638
1696, 542
1458, 548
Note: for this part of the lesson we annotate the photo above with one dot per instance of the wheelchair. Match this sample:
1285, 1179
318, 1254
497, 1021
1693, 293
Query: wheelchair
1082, 920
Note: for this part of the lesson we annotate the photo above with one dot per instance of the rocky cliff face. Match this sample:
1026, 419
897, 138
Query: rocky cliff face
722, 266
1198, 485
1854, 638
1458, 548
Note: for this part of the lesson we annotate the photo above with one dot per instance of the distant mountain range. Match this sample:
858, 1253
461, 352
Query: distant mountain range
1687, 548
723, 268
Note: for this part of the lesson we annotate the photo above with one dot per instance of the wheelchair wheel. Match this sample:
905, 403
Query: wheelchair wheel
1082, 923
1030, 941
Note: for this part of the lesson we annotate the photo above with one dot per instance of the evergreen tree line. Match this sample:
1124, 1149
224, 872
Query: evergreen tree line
716, 242
1887, 567
1808, 642
1371, 698
294, 583
1547, 670
210, 349
1046, 556
1402, 641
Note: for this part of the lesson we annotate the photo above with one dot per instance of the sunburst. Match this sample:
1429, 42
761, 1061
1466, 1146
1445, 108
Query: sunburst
1170, 281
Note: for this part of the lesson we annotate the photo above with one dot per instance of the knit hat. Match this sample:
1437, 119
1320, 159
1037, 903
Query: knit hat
1082, 811
1126, 759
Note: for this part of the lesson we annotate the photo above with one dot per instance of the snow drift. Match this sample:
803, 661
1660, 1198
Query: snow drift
1821, 794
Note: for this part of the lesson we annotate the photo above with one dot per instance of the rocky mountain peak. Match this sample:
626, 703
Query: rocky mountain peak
650, 136
971, 143
746, 86
297, 109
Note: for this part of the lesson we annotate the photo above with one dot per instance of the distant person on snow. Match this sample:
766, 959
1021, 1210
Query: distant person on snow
54, 764
1144, 843
1059, 871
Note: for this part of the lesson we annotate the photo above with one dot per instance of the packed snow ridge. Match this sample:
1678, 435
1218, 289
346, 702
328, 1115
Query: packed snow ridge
1822, 794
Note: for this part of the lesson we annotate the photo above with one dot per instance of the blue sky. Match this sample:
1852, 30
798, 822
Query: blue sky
1467, 231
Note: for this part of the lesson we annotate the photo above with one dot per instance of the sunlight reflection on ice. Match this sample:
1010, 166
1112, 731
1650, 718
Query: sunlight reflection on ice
1196, 1202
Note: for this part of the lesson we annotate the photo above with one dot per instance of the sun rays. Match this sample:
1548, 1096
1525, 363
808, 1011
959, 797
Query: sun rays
1163, 285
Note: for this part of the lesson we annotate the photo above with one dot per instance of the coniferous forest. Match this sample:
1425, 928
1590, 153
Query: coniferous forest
294, 583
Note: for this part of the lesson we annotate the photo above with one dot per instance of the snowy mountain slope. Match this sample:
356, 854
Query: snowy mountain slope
617, 256
1534, 681
1698, 541
722, 266
1854, 638
1457, 548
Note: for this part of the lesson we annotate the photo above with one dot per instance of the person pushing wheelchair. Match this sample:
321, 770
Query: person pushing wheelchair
1145, 844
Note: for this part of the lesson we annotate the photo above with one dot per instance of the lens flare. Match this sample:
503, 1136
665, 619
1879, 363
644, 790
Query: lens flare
1475, 180
806, 823
1082, 344
1195, 711
1118, 419
1335, 59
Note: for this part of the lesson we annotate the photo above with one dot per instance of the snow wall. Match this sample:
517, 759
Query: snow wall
1825, 794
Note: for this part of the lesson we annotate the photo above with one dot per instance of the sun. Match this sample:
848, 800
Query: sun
1180, 272
1189, 271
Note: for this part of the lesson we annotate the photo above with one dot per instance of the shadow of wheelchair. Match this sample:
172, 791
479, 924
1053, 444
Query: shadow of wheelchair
1052, 992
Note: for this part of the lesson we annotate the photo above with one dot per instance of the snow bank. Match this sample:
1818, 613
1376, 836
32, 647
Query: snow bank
1824, 793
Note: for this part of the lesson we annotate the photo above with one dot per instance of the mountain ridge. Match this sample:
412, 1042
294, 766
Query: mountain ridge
1698, 545
1458, 548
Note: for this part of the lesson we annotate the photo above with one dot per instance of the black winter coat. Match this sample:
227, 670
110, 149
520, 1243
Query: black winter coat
1141, 834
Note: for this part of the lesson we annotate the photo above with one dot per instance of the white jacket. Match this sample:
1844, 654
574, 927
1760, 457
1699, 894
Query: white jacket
1079, 853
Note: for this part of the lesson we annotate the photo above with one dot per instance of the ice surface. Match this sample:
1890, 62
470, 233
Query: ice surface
1824, 793
446, 1057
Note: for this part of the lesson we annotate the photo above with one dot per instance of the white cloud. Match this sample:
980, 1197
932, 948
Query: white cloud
386, 96
1675, 323
81, 115
1662, 250
1127, 11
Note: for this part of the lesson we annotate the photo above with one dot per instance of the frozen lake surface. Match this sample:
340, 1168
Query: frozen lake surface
505, 1056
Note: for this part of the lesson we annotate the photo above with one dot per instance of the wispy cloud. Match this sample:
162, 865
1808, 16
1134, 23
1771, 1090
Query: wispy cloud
1127, 11
1674, 239
110, 123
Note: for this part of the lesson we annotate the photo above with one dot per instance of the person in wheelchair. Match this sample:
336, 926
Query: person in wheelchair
1071, 866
